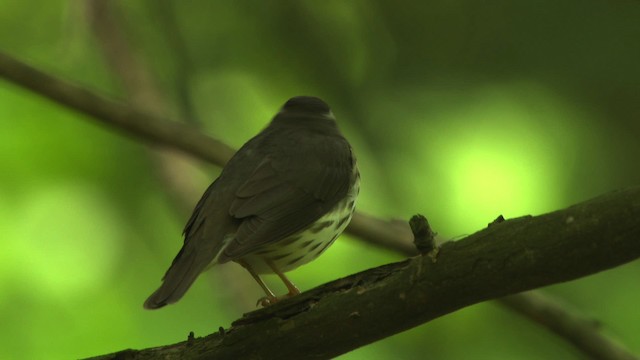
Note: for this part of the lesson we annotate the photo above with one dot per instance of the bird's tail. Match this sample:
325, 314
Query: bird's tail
183, 272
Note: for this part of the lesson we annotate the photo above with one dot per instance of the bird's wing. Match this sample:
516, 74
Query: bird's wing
288, 192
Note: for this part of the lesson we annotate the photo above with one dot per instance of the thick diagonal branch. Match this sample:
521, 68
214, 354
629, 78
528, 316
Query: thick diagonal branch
506, 258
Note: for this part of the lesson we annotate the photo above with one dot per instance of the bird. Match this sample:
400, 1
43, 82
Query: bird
281, 201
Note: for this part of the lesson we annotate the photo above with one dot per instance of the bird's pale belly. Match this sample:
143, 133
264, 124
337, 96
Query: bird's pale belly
305, 246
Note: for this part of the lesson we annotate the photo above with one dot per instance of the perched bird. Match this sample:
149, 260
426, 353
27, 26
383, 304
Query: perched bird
279, 203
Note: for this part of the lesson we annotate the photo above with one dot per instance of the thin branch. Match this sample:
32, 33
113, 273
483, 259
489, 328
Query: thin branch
115, 114
391, 235
506, 258
123, 61
138, 81
388, 234
182, 61
581, 331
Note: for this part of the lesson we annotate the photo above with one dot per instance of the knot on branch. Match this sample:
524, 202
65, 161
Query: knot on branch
424, 237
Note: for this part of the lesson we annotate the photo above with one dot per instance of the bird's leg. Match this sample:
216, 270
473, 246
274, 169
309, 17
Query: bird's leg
293, 290
264, 301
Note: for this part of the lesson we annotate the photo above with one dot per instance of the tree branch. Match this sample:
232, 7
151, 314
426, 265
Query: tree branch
581, 331
506, 258
544, 310
183, 65
123, 61
393, 235
116, 114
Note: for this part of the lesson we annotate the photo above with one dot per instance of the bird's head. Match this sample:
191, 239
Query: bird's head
307, 105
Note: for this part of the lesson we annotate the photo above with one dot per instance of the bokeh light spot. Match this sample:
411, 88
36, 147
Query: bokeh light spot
70, 239
502, 153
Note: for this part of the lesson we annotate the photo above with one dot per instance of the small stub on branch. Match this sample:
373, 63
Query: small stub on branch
498, 220
423, 237
191, 338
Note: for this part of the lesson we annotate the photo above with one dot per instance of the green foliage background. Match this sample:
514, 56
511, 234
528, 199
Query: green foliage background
460, 110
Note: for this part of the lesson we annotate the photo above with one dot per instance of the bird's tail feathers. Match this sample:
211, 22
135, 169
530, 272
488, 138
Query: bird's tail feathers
183, 272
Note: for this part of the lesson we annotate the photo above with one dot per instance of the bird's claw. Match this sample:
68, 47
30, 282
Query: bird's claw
266, 301
270, 300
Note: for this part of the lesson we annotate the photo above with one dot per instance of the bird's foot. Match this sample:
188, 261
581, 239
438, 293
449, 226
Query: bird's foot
270, 300
266, 301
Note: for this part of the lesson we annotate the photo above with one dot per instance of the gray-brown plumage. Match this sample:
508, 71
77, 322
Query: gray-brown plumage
282, 199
